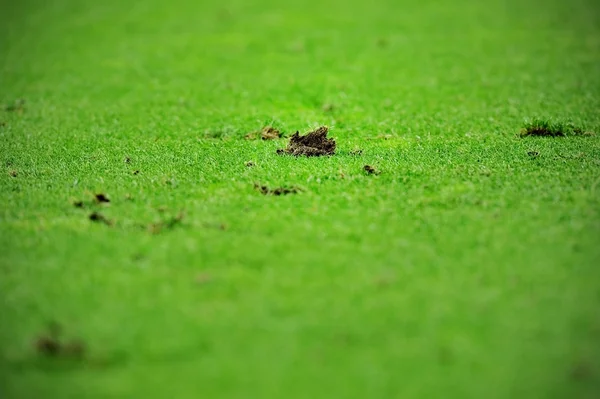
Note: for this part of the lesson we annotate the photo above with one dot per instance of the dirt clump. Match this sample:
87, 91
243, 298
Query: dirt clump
371, 170
101, 198
50, 343
313, 144
100, 218
249, 164
277, 191
166, 224
267, 133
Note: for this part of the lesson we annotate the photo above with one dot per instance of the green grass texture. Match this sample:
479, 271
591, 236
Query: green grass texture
466, 266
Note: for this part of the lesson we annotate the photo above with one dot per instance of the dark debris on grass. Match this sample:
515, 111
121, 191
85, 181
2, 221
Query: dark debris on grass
166, 224
267, 133
100, 218
313, 144
51, 343
371, 170
546, 128
102, 198
265, 190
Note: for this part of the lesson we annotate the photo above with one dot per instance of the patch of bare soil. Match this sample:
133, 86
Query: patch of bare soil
166, 224
277, 191
313, 144
100, 218
101, 198
371, 170
50, 343
267, 133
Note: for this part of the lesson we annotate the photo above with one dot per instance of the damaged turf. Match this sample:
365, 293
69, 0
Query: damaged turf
267, 133
313, 144
545, 128
277, 191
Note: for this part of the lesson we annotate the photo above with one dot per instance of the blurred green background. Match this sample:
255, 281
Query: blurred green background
466, 269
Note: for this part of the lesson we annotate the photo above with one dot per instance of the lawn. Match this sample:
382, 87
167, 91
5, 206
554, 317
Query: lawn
467, 265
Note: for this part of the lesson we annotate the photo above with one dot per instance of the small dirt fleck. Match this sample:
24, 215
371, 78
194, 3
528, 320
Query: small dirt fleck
17, 106
267, 133
100, 218
277, 191
314, 143
78, 204
533, 154
13, 173
370, 170
249, 164
356, 152
581, 371
270, 133
167, 224
136, 172
48, 345
127, 160
102, 198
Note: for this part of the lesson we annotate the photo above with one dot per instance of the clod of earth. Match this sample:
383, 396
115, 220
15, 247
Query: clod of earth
100, 218
545, 128
78, 204
313, 144
13, 173
249, 164
51, 344
370, 170
102, 198
267, 133
136, 172
167, 224
356, 152
127, 160
277, 191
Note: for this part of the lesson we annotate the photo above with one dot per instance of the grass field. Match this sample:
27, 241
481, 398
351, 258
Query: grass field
468, 267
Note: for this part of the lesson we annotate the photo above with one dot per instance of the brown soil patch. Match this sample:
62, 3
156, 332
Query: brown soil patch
267, 133
370, 170
166, 224
50, 343
100, 218
313, 144
101, 198
277, 191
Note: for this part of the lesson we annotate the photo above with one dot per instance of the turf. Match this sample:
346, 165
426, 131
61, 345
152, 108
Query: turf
466, 267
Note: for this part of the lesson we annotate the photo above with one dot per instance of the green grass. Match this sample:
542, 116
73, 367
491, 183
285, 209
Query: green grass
467, 268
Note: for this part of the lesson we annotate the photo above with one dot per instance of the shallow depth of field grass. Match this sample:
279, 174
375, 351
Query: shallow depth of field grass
466, 267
